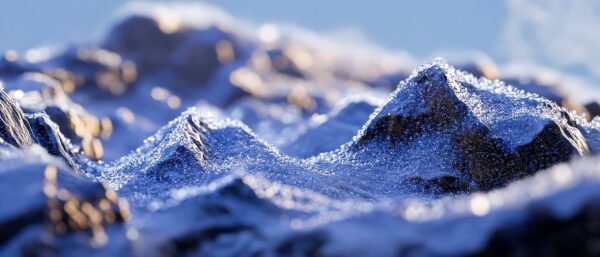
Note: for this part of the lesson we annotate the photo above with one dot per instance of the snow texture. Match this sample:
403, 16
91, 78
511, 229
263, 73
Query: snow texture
214, 137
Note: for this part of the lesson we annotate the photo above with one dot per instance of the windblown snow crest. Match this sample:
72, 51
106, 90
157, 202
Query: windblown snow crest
174, 139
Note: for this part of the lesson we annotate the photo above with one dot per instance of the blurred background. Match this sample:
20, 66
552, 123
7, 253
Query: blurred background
418, 27
562, 35
278, 66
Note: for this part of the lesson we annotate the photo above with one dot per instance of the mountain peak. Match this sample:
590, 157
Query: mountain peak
427, 97
492, 130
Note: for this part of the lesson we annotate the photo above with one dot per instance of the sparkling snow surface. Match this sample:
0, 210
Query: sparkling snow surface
178, 136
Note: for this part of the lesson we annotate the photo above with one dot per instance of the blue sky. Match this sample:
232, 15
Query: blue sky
420, 27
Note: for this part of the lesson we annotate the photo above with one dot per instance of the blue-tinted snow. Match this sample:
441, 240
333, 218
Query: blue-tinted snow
230, 139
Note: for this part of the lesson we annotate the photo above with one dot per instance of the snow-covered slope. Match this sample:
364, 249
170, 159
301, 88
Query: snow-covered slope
221, 138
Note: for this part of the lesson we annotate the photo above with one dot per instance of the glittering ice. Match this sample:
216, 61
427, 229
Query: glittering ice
183, 136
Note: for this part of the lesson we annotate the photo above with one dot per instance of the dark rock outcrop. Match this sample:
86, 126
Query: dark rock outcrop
14, 128
23, 130
496, 134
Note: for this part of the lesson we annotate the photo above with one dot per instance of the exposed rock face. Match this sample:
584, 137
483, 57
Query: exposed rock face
23, 130
47, 134
496, 135
14, 128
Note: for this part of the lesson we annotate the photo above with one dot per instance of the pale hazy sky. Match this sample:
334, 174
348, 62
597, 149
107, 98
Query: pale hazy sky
420, 27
